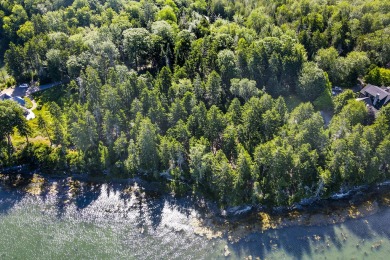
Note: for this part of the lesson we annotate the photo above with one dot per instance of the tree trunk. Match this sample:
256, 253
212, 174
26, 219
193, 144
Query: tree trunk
9, 145
48, 136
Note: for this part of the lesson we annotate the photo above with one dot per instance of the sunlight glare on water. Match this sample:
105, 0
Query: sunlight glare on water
105, 221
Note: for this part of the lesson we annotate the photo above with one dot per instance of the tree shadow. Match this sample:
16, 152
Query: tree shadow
300, 241
88, 193
296, 242
8, 198
148, 207
379, 223
375, 224
11, 190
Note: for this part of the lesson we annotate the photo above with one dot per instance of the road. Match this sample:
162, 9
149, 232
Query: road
32, 90
23, 92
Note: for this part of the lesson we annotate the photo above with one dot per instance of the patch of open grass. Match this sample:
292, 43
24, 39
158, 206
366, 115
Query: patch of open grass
55, 94
4, 77
36, 134
18, 141
44, 112
292, 101
28, 104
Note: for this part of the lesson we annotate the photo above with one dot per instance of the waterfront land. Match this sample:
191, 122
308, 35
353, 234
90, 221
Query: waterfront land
247, 102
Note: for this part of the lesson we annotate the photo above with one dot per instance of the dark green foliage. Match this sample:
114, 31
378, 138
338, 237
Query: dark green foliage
378, 76
312, 82
341, 100
11, 117
194, 92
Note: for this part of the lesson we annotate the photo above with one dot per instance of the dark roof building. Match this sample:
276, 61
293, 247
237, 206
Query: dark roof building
16, 99
378, 97
19, 100
4, 97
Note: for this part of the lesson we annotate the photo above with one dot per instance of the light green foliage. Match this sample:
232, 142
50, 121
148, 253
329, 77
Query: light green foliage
26, 30
324, 102
383, 152
243, 178
198, 162
131, 163
273, 162
215, 125
258, 20
165, 31
378, 76
43, 126
12, 22
164, 80
355, 65
214, 89
147, 141
56, 63
312, 82
233, 114
11, 117
353, 113
341, 100
83, 132
227, 65
244, 88
167, 13
136, 43
222, 179
199, 5
198, 94
183, 46
172, 154
327, 60
307, 127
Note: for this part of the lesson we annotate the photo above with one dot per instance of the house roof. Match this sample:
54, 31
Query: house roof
387, 99
4, 96
19, 100
374, 90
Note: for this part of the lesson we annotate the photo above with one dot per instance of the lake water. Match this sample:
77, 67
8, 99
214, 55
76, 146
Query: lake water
62, 219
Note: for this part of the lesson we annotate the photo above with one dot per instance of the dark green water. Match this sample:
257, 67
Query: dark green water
105, 221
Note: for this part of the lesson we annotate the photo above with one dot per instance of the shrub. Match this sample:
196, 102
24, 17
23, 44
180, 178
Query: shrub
324, 101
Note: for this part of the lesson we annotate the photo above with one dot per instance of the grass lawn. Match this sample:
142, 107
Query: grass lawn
3, 77
28, 104
36, 134
44, 112
55, 94
292, 101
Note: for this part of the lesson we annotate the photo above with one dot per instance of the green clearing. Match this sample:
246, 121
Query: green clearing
29, 104
57, 94
3, 77
292, 101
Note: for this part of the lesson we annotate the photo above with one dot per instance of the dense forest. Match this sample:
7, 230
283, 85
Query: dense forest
219, 96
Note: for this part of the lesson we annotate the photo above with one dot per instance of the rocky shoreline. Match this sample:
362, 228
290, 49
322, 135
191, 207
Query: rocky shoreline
357, 203
235, 222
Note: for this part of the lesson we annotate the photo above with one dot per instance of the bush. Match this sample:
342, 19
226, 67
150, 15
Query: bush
40, 154
324, 101
29, 104
10, 82
74, 160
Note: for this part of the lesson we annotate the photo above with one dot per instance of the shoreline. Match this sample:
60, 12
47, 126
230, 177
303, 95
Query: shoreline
213, 223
